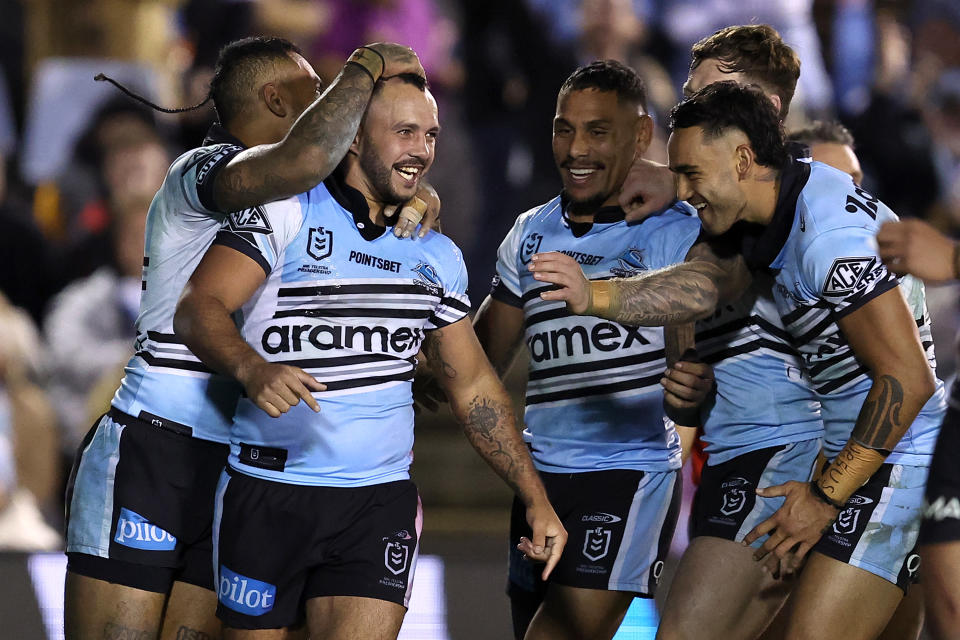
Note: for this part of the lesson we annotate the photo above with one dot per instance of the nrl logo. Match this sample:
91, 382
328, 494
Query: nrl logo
596, 544
530, 246
320, 243
396, 556
847, 521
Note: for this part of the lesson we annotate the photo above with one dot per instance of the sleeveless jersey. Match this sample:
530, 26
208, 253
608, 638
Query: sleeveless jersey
820, 245
164, 382
593, 398
350, 304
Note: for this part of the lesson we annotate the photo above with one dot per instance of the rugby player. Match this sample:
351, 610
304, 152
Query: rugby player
830, 143
862, 334
140, 500
316, 516
914, 247
763, 425
594, 418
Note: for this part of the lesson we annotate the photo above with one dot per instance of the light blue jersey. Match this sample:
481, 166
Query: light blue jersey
593, 399
763, 399
820, 246
350, 304
164, 383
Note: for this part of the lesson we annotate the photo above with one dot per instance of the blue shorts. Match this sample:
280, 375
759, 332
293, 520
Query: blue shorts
878, 529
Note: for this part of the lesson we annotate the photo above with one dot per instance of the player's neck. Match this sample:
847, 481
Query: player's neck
762, 194
252, 134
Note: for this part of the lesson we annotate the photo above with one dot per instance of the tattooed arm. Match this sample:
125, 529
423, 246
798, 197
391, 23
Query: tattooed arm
316, 142
481, 405
884, 337
679, 293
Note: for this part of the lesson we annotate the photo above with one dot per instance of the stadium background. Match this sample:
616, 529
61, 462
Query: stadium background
79, 164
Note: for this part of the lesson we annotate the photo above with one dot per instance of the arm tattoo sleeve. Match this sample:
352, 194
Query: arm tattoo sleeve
313, 148
880, 425
431, 348
682, 293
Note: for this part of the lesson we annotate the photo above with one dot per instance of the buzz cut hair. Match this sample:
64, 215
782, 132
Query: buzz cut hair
608, 75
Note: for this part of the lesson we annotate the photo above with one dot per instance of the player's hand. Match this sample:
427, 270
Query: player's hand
276, 388
796, 526
397, 59
649, 187
687, 384
427, 393
422, 209
549, 537
565, 272
914, 247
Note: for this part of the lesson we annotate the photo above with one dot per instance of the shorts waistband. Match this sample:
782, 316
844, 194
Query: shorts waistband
151, 419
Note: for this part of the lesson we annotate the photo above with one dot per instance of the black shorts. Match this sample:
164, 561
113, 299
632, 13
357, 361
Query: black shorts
726, 504
279, 545
619, 525
140, 505
941, 513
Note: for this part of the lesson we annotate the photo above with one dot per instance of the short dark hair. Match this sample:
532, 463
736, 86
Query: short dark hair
757, 51
820, 131
238, 67
408, 78
724, 105
608, 75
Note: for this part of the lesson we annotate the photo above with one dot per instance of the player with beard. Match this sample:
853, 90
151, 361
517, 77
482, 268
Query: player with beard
316, 515
594, 419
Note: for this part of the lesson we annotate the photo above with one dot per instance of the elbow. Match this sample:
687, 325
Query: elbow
703, 305
182, 320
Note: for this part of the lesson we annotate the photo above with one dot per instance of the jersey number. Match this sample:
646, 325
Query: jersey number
868, 205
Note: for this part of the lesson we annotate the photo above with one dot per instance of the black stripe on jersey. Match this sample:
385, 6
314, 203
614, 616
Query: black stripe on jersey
237, 242
546, 316
340, 385
597, 365
530, 294
801, 311
830, 361
597, 390
772, 329
348, 289
146, 261
454, 303
164, 338
855, 302
747, 347
814, 331
501, 293
170, 363
344, 361
347, 312
926, 344
729, 327
835, 384
440, 323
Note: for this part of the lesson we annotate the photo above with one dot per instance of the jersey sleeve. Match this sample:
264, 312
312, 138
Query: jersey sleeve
196, 173
679, 236
454, 303
262, 233
506, 282
841, 268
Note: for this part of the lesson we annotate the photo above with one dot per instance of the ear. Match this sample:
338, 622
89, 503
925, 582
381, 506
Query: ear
271, 97
355, 145
644, 134
746, 160
775, 99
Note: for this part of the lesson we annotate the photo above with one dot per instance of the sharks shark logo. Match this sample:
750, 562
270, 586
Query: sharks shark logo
427, 278
629, 263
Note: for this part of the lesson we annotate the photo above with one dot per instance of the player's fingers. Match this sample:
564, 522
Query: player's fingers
554, 550
760, 530
700, 370
284, 391
556, 294
310, 382
304, 393
768, 545
688, 380
679, 391
773, 491
271, 410
800, 556
678, 403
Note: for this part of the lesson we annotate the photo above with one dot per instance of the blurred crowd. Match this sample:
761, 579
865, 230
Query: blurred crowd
79, 163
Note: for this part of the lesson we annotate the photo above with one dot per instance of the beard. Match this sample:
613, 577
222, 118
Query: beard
379, 175
585, 206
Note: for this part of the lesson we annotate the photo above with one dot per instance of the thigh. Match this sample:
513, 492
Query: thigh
833, 599
720, 591
98, 609
190, 614
941, 584
354, 618
574, 613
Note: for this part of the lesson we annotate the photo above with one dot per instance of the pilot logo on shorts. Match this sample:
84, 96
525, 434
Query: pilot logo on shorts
320, 243
734, 495
136, 532
396, 557
245, 595
529, 246
596, 544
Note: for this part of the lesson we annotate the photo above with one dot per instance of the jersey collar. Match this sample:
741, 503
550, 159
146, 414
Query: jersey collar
762, 244
354, 202
216, 134
603, 215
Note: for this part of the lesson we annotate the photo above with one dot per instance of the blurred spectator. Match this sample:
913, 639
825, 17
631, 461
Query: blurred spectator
28, 445
942, 116
831, 143
89, 327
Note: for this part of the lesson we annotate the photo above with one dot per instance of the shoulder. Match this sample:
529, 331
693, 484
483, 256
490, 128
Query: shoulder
540, 214
678, 217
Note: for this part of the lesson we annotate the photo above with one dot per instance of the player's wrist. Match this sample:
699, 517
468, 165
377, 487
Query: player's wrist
370, 60
600, 298
821, 495
849, 471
